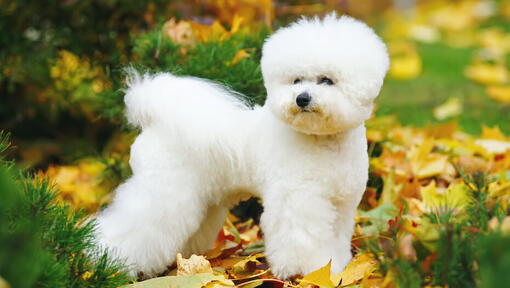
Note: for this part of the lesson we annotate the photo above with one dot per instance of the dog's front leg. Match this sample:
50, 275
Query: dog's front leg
300, 232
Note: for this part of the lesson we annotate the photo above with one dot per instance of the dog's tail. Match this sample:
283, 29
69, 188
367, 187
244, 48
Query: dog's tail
164, 98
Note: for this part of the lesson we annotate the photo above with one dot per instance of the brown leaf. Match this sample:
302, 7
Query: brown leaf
194, 265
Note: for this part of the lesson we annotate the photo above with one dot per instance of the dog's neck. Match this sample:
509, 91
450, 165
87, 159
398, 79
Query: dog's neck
334, 140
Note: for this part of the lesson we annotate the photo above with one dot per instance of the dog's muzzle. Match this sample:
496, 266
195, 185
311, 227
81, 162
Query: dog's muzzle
303, 99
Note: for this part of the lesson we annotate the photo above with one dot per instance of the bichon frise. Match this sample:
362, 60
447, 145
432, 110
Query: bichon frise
304, 153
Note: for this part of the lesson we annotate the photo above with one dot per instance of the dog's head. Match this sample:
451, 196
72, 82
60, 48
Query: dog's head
322, 76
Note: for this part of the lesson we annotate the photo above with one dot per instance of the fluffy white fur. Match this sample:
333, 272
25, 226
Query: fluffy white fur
202, 149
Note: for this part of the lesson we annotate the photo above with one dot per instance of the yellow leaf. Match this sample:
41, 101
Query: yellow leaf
424, 33
236, 23
430, 195
451, 108
188, 281
250, 235
487, 74
435, 165
494, 38
405, 67
358, 269
66, 175
428, 234
206, 33
405, 62
501, 189
492, 133
252, 258
421, 153
457, 195
86, 276
390, 191
3, 283
218, 31
499, 93
320, 277
240, 55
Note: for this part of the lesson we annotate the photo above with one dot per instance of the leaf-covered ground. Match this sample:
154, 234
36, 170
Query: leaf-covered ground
425, 189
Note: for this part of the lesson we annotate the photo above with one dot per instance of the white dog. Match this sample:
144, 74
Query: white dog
304, 153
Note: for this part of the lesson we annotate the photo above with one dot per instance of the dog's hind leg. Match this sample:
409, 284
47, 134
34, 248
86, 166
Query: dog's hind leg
209, 229
152, 217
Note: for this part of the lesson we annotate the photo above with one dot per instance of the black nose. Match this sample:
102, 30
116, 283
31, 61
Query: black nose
303, 99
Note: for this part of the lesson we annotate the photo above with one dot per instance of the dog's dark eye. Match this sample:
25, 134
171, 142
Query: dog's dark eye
297, 81
325, 80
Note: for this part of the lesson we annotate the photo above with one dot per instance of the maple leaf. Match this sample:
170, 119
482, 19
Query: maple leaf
456, 195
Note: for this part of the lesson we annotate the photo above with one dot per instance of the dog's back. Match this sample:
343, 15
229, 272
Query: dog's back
174, 101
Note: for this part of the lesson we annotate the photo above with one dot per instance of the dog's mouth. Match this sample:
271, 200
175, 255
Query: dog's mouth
297, 110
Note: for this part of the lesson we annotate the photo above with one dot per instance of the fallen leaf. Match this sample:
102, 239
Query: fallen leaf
188, 281
179, 32
451, 108
456, 195
320, 277
492, 133
499, 93
375, 220
240, 55
194, 265
493, 146
3, 283
361, 267
252, 258
428, 234
405, 61
424, 33
487, 74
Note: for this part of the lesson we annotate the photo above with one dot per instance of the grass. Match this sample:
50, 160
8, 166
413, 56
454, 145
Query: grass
413, 101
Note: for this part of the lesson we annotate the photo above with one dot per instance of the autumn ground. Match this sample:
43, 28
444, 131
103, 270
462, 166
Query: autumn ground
435, 212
